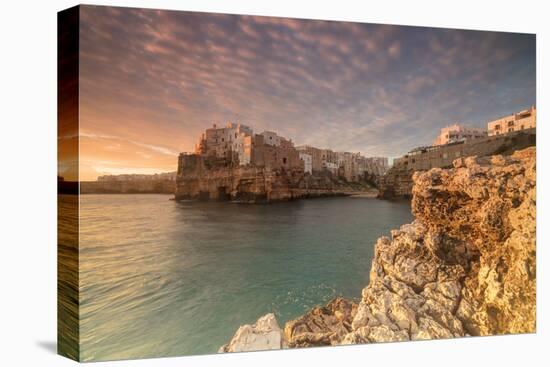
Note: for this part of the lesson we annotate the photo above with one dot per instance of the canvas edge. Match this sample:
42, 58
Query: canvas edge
68, 300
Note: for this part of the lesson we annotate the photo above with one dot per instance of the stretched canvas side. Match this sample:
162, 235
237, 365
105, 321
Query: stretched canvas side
68, 335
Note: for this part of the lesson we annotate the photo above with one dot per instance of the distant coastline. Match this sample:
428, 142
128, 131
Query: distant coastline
167, 187
128, 187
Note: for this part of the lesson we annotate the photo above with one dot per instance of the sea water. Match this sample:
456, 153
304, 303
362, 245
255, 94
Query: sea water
166, 278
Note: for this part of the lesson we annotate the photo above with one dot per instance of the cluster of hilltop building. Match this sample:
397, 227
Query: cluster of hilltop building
522, 120
234, 163
502, 136
456, 141
238, 144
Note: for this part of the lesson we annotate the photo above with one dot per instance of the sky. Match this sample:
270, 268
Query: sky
152, 81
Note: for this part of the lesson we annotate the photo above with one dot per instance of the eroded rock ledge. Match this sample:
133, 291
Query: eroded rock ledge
465, 266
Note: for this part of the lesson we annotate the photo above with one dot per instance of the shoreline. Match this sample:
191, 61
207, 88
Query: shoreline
364, 194
295, 195
351, 194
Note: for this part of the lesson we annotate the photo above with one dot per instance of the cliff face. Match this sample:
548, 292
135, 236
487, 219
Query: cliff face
481, 215
465, 266
396, 183
206, 178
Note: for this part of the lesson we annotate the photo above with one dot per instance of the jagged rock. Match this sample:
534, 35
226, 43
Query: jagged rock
405, 294
488, 206
465, 266
321, 326
375, 334
263, 335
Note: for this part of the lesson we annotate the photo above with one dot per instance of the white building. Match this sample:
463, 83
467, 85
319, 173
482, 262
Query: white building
330, 166
525, 119
455, 133
225, 141
308, 162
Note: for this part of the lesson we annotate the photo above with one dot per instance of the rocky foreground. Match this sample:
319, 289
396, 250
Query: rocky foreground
465, 266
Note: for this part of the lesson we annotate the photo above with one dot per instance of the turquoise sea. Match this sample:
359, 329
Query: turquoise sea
166, 278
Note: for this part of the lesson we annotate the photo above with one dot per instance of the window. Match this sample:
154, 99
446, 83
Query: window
510, 129
522, 127
284, 160
510, 123
223, 140
497, 127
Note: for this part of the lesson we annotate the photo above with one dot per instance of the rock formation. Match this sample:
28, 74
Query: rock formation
396, 183
263, 335
465, 266
210, 178
321, 326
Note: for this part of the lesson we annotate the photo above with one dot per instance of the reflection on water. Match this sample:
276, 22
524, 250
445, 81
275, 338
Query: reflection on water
161, 278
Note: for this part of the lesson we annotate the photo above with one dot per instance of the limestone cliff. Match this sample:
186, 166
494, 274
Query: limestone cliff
211, 178
465, 266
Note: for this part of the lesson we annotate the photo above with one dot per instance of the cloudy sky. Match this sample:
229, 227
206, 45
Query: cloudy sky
151, 81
